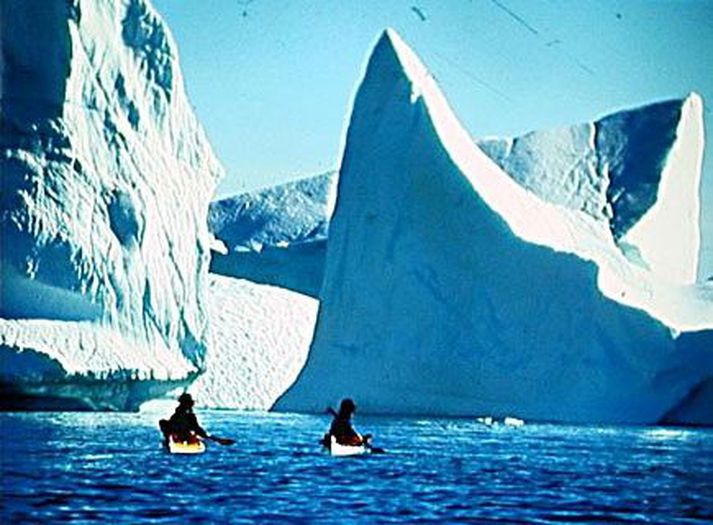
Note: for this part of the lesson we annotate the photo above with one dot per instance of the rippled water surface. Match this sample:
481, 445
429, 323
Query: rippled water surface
83, 468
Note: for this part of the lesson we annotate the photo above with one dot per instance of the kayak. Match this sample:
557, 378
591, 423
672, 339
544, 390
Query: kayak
192, 446
335, 449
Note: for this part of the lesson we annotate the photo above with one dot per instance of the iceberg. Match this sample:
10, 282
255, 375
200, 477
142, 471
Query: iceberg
638, 171
106, 182
452, 289
277, 235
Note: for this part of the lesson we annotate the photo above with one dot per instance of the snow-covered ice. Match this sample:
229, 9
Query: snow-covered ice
289, 213
449, 288
639, 171
260, 336
106, 182
259, 340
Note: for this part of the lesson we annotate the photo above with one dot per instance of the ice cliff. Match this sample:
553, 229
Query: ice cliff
450, 288
270, 251
106, 182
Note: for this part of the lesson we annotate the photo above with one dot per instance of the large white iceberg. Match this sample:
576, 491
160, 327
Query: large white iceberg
451, 289
637, 171
106, 182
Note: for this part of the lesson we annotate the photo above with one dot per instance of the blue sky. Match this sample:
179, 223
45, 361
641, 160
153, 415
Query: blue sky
272, 81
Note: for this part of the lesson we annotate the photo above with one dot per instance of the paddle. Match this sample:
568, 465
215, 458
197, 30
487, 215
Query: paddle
222, 441
372, 448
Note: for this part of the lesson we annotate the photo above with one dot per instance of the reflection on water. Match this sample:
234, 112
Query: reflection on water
88, 467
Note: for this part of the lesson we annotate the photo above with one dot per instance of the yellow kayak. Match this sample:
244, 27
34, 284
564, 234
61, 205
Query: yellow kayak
193, 446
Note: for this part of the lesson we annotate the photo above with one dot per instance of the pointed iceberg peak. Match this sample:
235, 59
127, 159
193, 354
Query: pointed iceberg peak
393, 60
694, 101
394, 72
391, 35
408, 60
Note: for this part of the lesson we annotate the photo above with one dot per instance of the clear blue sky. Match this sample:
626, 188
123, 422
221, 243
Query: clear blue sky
272, 80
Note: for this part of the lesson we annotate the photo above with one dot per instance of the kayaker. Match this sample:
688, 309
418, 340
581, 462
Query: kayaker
341, 427
183, 424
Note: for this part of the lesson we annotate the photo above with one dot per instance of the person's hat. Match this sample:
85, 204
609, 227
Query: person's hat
347, 405
185, 398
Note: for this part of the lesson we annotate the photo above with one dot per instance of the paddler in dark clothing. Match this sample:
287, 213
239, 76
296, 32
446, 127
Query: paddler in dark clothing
183, 424
341, 427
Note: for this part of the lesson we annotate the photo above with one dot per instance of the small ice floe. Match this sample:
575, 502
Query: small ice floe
513, 422
666, 434
252, 246
508, 421
218, 246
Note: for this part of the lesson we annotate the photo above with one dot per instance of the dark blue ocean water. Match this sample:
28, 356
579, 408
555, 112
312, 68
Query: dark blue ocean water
110, 468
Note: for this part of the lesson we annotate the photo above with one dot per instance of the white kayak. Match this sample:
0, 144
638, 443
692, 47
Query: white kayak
193, 446
335, 449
